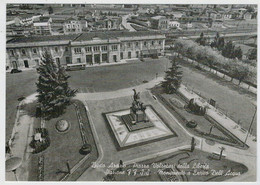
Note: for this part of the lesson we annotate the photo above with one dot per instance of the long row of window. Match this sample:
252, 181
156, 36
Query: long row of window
95, 48
145, 43
35, 51
90, 48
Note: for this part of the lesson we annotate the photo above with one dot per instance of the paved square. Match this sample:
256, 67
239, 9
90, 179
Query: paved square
157, 128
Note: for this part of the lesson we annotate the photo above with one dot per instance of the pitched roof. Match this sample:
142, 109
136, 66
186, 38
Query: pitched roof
113, 34
43, 38
82, 36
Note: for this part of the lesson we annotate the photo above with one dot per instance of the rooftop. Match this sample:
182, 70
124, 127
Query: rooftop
82, 36
158, 17
113, 34
42, 38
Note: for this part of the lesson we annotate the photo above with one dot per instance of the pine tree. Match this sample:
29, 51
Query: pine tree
172, 78
54, 93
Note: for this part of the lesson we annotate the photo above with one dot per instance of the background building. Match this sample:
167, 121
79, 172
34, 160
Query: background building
85, 48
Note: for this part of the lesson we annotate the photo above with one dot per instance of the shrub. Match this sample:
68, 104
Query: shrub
38, 145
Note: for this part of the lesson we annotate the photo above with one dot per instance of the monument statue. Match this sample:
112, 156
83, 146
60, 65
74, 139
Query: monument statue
137, 110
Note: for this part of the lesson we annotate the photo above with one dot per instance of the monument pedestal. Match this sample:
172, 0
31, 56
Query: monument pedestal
138, 116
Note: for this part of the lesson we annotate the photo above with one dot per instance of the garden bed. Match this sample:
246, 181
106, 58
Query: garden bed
218, 133
64, 148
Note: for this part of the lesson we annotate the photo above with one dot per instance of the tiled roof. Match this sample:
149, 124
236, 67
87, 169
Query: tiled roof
91, 35
113, 34
43, 38
82, 36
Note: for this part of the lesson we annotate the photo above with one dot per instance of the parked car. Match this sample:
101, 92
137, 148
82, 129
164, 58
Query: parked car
191, 124
16, 71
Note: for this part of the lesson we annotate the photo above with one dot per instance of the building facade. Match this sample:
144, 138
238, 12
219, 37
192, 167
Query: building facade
86, 48
74, 26
217, 24
160, 22
43, 26
174, 24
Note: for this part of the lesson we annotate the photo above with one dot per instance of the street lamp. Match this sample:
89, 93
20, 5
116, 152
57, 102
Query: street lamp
12, 164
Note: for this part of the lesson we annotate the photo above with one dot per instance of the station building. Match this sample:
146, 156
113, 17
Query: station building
85, 48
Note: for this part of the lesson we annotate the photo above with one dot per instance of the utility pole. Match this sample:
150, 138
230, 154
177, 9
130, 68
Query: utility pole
250, 125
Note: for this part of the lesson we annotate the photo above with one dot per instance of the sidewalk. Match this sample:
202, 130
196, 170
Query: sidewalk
20, 138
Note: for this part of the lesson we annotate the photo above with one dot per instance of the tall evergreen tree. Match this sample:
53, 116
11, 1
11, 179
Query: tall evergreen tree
172, 79
54, 93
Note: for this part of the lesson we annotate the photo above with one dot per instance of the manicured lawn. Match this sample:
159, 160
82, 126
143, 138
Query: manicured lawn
64, 147
188, 163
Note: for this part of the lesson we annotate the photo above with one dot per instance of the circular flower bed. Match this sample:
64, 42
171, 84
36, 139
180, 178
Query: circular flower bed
62, 126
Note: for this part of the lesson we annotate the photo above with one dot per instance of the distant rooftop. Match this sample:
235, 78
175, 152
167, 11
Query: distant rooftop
158, 17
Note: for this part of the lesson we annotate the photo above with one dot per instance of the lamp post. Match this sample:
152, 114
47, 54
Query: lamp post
250, 125
12, 164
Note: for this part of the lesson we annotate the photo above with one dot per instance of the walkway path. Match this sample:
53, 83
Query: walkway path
20, 138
